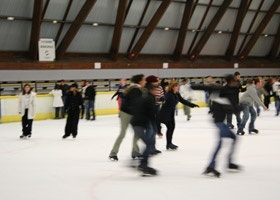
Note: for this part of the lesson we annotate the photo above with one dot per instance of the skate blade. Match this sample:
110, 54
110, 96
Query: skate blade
234, 171
211, 175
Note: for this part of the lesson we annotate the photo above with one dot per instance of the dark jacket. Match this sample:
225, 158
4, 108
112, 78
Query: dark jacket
224, 101
145, 111
90, 93
65, 89
167, 111
131, 94
119, 92
73, 102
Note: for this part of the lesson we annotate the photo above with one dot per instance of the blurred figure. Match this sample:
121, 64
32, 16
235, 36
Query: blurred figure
119, 92
247, 103
209, 82
89, 101
57, 100
65, 89
276, 94
187, 94
27, 110
268, 88
222, 104
164, 83
261, 92
143, 123
83, 90
72, 106
167, 112
131, 95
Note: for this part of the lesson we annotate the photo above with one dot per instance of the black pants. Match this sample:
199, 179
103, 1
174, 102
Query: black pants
57, 109
169, 132
267, 101
83, 109
26, 124
72, 123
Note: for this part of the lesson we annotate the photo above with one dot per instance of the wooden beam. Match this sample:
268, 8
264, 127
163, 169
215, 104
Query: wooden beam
251, 43
64, 19
118, 29
36, 27
276, 43
200, 26
139, 24
45, 8
237, 27
128, 8
149, 29
183, 29
250, 27
74, 28
206, 35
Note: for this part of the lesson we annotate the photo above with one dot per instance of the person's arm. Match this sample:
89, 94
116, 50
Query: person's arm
253, 94
19, 103
185, 102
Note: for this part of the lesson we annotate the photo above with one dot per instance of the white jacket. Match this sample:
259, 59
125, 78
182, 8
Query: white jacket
32, 105
186, 92
57, 98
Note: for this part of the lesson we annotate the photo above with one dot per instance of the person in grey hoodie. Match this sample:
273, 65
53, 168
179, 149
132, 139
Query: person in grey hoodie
247, 103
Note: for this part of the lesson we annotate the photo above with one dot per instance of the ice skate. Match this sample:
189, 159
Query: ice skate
22, 137
240, 132
147, 171
171, 146
233, 167
212, 172
254, 131
113, 158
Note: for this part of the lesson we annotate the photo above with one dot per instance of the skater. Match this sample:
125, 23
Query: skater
167, 112
83, 88
89, 101
276, 94
57, 100
27, 110
268, 88
65, 89
247, 103
261, 92
144, 126
187, 94
153, 81
222, 104
72, 105
119, 93
131, 94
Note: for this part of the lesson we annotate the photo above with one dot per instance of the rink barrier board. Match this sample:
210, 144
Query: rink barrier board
103, 106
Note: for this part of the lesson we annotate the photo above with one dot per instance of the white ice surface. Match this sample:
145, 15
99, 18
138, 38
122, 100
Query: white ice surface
46, 167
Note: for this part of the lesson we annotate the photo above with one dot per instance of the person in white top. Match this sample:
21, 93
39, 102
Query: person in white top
187, 94
57, 99
27, 110
276, 94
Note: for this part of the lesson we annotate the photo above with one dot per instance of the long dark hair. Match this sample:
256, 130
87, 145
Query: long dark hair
23, 90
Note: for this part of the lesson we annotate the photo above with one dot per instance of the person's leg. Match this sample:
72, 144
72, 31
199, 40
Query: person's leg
188, 112
83, 109
245, 118
169, 134
93, 110
57, 109
124, 120
24, 123
68, 126
29, 127
253, 117
63, 108
75, 122
238, 118
229, 120
87, 108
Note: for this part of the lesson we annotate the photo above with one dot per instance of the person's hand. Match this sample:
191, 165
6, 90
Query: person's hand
196, 106
265, 108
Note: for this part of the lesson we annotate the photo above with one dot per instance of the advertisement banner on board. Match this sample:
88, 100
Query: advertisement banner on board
46, 49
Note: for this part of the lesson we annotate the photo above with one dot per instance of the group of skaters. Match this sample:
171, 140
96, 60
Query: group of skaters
146, 103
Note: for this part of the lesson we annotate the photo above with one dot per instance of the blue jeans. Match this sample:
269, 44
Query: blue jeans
147, 135
89, 106
224, 132
246, 111
277, 105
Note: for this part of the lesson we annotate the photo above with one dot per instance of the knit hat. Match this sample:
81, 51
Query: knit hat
152, 79
74, 85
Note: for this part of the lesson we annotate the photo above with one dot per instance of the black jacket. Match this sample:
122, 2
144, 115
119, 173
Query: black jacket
145, 111
73, 102
90, 93
167, 111
131, 95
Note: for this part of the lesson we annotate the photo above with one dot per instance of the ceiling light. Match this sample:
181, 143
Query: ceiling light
54, 21
193, 30
220, 32
10, 18
166, 29
95, 24
266, 35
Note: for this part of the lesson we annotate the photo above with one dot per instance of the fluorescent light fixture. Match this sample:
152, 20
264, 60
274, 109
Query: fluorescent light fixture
265, 35
54, 21
166, 28
193, 31
95, 24
10, 18
220, 32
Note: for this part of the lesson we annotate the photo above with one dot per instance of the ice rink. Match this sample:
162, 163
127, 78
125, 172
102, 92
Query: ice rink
46, 167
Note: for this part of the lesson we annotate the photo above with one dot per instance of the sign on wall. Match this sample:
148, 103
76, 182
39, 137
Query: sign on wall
46, 49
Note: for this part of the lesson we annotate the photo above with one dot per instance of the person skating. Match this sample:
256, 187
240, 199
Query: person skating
89, 101
144, 126
167, 112
247, 103
57, 99
132, 93
27, 110
119, 92
222, 104
187, 93
72, 105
